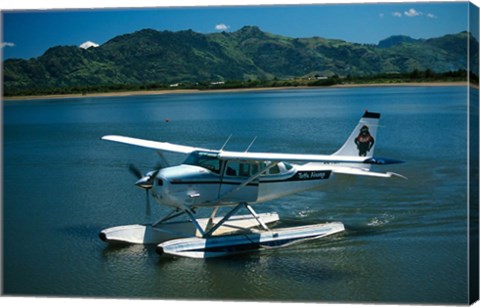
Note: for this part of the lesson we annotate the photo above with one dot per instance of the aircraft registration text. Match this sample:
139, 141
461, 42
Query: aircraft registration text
312, 175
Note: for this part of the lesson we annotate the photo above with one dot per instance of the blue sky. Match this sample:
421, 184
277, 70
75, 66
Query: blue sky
29, 34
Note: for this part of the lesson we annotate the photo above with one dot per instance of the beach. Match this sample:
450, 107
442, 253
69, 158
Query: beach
196, 91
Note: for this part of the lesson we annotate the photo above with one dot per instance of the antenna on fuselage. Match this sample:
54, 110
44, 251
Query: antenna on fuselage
225, 144
251, 143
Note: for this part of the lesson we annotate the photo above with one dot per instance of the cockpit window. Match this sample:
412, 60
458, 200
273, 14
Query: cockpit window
204, 159
274, 170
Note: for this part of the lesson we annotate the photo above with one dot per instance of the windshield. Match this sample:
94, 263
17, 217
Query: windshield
206, 160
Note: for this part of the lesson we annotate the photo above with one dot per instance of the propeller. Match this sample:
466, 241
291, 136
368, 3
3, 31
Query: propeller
145, 182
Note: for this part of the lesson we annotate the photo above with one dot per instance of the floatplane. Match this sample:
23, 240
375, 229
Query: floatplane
220, 178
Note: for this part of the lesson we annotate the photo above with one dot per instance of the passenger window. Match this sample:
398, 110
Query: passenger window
255, 168
238, 169
244, 170
232, 169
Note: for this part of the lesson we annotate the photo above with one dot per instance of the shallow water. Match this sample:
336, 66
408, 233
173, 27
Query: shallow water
405, 240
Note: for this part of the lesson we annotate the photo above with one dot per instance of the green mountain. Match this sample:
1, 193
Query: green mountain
396, 40
164, 57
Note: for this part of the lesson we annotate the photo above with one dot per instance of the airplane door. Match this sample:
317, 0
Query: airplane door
235, 174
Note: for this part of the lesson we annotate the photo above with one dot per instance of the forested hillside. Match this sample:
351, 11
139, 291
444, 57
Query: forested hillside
153, 58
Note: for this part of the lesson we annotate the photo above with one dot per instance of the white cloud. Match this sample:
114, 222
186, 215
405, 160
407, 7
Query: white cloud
412, 13
221, 27
88, 44
7, 44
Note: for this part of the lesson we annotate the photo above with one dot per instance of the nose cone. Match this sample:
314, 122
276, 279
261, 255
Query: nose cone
145, 182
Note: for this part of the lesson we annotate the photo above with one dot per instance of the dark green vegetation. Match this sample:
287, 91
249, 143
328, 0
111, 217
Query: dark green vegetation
150, 59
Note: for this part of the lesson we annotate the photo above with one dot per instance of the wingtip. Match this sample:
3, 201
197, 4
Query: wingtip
397, 175
109, 137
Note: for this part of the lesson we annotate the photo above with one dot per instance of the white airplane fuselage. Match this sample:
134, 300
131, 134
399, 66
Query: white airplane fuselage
205, 187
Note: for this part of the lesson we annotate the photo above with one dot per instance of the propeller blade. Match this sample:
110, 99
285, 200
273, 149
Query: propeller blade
148, 209
145, 182
135, 171
155, 173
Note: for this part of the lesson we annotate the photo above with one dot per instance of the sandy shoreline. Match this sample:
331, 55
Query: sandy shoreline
193, 91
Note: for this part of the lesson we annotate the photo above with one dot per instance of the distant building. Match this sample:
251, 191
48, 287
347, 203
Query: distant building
317, 77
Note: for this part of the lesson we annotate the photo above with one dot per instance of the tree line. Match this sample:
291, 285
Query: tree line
384, 78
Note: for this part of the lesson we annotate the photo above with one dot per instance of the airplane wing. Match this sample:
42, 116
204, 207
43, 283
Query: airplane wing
259, 156
231, 155
248, 156
163, 146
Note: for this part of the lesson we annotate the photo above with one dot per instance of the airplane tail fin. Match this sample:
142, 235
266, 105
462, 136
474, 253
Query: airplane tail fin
362, 140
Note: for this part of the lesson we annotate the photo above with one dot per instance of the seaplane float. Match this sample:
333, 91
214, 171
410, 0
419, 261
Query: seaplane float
239, 180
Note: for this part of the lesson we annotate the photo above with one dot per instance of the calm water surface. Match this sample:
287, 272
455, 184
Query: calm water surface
405, 240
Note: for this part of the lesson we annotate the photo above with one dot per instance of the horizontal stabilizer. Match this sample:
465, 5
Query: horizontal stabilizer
382, 161
363, 172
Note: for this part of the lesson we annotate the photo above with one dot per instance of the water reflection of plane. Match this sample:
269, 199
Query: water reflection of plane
219, 178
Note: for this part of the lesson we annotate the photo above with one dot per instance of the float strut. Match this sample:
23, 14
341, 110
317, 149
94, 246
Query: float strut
249, 208
220, 223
